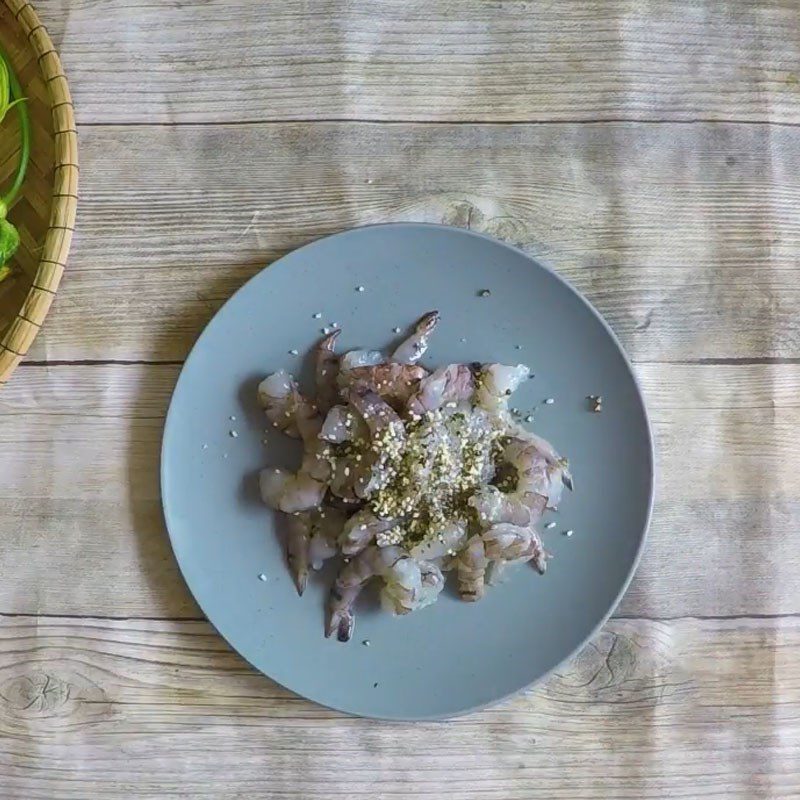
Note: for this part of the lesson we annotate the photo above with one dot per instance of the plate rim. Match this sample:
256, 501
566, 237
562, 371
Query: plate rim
650, 465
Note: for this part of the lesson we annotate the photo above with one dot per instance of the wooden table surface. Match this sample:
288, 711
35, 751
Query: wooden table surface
648, 150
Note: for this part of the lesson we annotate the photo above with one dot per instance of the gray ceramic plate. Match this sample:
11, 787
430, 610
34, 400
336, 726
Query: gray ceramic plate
453, 656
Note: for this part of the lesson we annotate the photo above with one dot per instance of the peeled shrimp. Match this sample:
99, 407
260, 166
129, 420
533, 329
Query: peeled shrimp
454, 383
325, 529
496, 384
471, 565
283, 404
540, 470
432, 583
534, 552
355, 359
512, 544
297, 546
326, 365
402, 583
494, 506
289, 492
413, 348
383, 425
369, 563
361, 529
335, 428
506, 542
395, 383
450, 538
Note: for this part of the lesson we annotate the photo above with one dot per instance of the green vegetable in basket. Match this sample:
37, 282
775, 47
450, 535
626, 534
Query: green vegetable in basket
10, 96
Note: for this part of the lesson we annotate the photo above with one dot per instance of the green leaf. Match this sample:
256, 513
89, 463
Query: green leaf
9, 241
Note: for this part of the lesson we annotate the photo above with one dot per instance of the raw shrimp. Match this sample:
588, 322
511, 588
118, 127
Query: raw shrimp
287, 492
326, 365
408, 474
361, 529
283, 404
493, 506
395, 383
506, 542
471, 565
450, 539
432, 583
534, 552
296, 416
335, 428
325, 529
496, 383
387, 434
298, 535
540, 470
512, 544
369, 563
356, 359
413, 348
454, 383
402, 584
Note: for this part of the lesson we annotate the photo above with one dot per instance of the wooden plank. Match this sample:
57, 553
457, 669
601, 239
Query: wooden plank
429, 60
144, 709
79, 454
684, 236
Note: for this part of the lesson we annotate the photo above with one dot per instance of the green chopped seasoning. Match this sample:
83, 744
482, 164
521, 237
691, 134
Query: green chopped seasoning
10, 97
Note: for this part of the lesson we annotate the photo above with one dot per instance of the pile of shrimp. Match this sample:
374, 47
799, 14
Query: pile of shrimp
407, 475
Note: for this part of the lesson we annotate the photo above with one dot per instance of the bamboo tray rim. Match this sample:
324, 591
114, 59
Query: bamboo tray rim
23, 329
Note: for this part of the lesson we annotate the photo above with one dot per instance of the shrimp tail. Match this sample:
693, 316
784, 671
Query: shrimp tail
341, 619
327, 368
413, 348
297, 549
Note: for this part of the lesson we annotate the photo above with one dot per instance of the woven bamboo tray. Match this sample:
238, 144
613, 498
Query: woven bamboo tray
44, 212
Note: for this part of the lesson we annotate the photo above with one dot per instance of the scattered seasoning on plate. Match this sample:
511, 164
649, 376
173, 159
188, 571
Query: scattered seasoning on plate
397, 329
375, 685
369, 180
359, 288
518, 347
205, 447
529, 418
224, 455
484, 293
463, 339
232, 418
365, 642
550, 525
596, 402
549, 401
569, 532
318, 315
293, 352
233, 434
262, 577
326, 331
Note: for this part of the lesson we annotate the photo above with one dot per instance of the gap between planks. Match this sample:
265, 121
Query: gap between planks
422, 121
626, 617
103, 362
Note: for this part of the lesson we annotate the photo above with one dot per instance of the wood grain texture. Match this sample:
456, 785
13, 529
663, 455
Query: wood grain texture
684, 236
146, 709
429, 60
728, 443
647, 149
